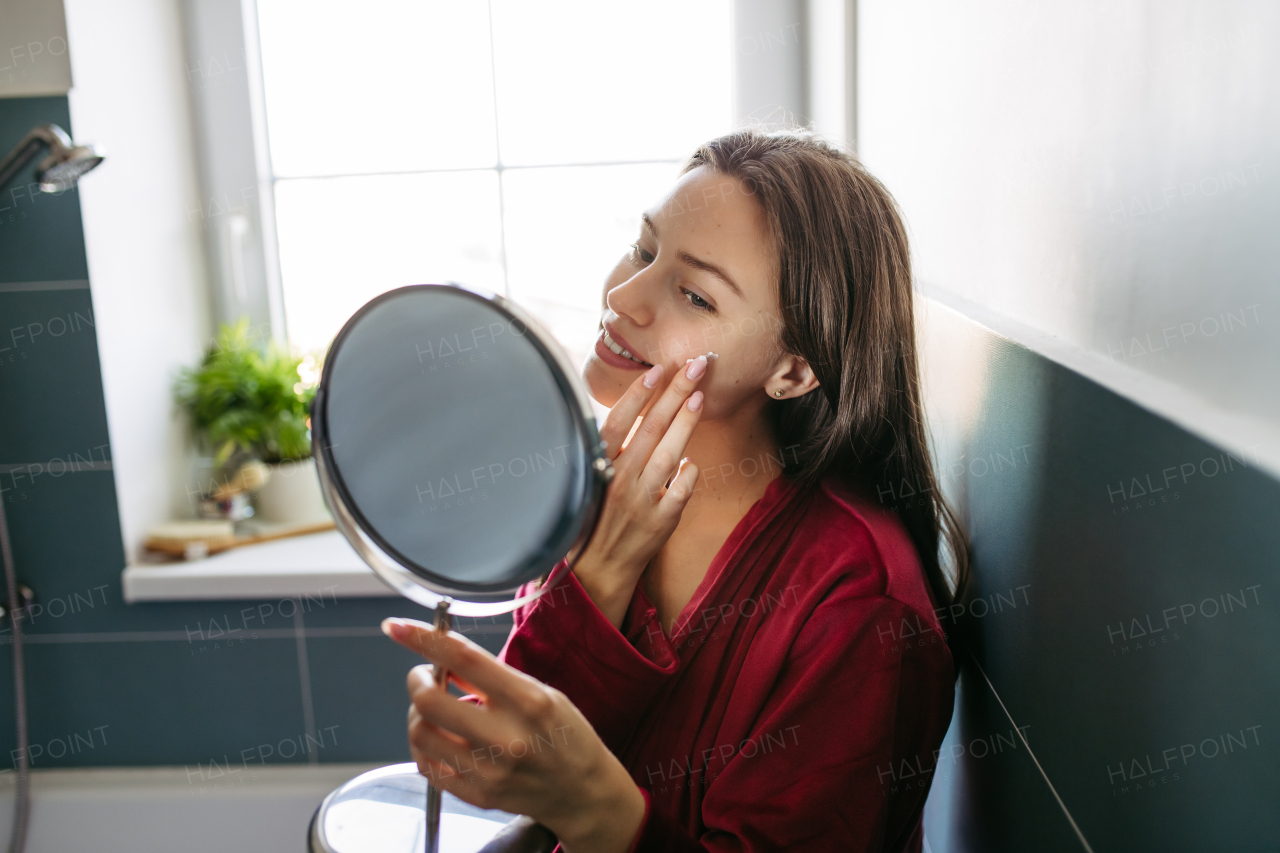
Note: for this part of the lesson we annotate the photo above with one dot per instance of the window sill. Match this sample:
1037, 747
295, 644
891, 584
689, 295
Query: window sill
318, 564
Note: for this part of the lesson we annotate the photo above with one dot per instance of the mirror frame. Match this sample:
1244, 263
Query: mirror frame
421, 585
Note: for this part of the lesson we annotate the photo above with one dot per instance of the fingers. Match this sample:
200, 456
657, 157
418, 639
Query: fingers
469, 664
622, 417
454, 678
665, 458
445, 710
660, 415
437, 753
432, 740
443, 647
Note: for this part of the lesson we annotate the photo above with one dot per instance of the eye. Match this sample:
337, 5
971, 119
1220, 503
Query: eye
640, 255
697, 301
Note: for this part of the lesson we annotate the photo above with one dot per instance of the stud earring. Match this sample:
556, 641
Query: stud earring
778, 393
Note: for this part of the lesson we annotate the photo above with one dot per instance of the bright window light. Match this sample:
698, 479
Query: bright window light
426, 142
593, 82
345, 240
395, 86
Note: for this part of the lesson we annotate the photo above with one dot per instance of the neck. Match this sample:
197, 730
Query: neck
737, 457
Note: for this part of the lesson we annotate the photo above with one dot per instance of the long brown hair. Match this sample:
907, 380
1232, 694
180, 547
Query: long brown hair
845, 297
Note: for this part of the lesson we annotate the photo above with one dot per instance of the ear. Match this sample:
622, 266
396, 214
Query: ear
792, 376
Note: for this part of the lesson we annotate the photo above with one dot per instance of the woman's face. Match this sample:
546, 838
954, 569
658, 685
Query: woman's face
700, 278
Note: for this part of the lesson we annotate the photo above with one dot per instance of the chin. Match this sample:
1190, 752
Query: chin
604, 386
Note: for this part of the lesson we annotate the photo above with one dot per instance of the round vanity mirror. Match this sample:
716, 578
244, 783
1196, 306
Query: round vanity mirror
456, 446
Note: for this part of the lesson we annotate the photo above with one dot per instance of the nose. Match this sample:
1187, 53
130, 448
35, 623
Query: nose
633, 298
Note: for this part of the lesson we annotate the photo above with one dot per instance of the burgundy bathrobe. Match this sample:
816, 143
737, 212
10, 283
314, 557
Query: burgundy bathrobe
798, 703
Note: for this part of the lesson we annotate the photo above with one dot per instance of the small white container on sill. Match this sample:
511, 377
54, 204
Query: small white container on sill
292, 494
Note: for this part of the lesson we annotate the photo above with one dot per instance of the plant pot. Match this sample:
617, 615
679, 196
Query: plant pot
292, 494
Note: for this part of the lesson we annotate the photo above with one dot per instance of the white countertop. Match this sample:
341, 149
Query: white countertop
316, 564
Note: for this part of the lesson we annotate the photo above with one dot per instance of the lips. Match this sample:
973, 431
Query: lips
616, 345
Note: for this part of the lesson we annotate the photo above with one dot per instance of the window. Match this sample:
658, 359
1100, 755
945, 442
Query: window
507, 145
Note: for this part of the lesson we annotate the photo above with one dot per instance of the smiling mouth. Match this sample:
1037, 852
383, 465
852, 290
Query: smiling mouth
614, 347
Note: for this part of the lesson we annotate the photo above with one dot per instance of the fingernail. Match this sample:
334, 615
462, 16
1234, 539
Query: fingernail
394, 628
651, 378
696, 367
695, 401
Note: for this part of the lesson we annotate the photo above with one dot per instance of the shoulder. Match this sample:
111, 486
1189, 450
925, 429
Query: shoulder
870, 602
841, 529
852, 547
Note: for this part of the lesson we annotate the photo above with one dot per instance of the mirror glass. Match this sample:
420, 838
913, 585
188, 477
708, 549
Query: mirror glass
458, 442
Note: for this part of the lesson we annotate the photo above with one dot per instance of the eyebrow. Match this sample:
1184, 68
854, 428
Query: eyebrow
698, 263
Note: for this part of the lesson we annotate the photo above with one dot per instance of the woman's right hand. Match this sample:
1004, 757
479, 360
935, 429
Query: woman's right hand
640, 511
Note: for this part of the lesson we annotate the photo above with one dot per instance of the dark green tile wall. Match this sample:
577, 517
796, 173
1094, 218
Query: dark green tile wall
1150, 561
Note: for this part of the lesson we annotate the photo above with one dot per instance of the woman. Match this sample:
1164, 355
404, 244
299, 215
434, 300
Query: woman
746, 655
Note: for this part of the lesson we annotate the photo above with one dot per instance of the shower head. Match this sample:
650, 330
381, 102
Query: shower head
63, 166
60, 171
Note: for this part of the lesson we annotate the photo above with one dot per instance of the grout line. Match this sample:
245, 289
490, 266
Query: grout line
68, 467
190, 636
304, 678
1023, 738
26, 286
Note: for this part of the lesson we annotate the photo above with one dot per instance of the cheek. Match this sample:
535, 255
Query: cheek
680, 345
726, 394
748, 342
682, 336
750, 357
742, 370
728, 384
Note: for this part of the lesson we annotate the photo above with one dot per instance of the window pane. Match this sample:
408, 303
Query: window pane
379, 86
345, 240
585, 81
566, 229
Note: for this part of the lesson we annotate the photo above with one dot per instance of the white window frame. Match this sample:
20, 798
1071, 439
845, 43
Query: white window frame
793, 61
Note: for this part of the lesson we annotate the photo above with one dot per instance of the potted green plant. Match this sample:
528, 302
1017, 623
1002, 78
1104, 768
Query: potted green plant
252, 402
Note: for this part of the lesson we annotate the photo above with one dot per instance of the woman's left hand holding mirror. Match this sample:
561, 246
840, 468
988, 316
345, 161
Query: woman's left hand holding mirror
523, 748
